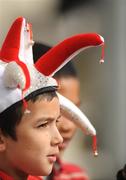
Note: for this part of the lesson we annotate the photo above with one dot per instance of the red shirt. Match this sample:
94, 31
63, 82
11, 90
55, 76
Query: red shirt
61, 171
67, 171
4, 176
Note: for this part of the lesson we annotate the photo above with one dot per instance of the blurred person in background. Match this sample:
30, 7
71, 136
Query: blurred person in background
121, 174
69, 87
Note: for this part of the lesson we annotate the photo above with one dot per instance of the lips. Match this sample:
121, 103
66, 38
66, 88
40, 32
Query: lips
52, 158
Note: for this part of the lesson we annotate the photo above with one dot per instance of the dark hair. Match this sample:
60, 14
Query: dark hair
67, 71
40, 49
121, 174
11, 117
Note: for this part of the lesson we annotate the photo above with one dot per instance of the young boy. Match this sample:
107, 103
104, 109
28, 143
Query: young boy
29, 107
29, 110
29, 142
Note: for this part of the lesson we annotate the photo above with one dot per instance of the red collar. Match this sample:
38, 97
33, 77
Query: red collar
4, 176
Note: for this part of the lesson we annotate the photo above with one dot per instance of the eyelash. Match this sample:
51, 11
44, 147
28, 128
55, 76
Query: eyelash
43, 125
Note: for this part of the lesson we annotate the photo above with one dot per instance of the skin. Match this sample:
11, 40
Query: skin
37, 142
70, 88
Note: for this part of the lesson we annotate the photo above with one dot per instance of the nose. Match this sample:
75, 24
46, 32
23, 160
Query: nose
56, 137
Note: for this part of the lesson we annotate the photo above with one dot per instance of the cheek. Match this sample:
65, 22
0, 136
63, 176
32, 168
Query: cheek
30, 149
40, 142
35, 141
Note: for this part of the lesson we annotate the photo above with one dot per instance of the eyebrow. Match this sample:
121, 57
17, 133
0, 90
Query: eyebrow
47, 119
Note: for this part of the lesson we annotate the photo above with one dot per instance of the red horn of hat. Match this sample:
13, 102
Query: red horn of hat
62, 53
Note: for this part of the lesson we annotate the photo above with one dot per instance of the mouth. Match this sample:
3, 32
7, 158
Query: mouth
52, 157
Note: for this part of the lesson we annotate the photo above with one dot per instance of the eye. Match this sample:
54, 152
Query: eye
43, 125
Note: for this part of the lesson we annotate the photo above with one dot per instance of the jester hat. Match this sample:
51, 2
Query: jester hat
19, 77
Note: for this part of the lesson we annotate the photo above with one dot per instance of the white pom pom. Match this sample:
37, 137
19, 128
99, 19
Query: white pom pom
101, 61
14, 76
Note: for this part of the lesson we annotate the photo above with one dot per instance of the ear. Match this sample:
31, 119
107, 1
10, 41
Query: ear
2, 142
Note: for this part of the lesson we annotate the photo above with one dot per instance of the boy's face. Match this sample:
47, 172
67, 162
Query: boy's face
69, 87
37, 142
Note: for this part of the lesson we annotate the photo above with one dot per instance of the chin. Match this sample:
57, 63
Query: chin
44, 171
47, 171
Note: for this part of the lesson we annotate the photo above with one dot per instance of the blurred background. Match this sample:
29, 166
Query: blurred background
103, 87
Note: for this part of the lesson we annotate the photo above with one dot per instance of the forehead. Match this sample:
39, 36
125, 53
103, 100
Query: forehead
42, 109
